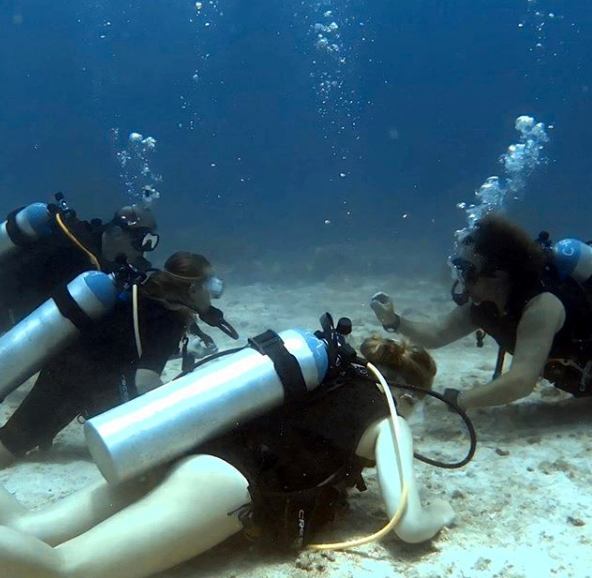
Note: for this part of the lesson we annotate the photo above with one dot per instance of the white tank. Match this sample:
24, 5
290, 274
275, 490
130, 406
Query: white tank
173, 419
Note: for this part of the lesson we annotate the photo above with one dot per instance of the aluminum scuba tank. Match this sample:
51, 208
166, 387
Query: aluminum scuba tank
24, 227
166, 422
573, 258
52, 326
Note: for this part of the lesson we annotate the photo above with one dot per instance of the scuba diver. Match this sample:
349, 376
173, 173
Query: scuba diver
45, 246
279, 478
530, 296
115, 359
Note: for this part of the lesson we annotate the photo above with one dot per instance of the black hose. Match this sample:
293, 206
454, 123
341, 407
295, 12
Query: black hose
463, 416
211, 358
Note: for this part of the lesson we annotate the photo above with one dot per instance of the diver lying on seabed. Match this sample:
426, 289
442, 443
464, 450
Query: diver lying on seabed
282, 488
531, 297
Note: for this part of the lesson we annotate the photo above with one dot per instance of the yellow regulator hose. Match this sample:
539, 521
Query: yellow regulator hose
136, 320
76, 242
404, 486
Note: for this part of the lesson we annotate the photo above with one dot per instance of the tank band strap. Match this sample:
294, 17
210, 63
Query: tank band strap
71, 310
270, 343
12, 228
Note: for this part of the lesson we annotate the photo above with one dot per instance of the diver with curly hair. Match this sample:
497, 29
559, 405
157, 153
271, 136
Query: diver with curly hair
512, 291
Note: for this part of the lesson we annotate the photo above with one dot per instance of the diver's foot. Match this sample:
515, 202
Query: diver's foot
442, 512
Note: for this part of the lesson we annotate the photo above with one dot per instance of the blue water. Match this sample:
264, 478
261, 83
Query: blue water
251, 159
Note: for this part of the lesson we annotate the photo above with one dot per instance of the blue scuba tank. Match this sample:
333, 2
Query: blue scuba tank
573, 258
53, 326
23, 228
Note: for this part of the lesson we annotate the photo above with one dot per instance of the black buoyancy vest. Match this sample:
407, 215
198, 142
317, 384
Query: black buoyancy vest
573, 342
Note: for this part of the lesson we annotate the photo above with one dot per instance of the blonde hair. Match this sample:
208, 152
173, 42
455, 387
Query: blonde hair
412, 362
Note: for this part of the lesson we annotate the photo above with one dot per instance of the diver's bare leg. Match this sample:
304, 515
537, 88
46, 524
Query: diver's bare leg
10, 509
192, 510
418, 523
73, 515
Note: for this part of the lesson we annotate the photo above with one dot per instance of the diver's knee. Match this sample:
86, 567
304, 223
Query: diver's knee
211, 468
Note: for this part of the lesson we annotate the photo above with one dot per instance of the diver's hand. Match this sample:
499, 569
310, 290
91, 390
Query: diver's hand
383, 308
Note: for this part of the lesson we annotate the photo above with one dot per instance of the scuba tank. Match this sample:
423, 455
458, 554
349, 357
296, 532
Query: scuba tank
23, 227
166, 422
52, 326
573, 258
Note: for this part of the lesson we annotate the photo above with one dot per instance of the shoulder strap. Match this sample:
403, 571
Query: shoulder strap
13, 230
71, 310
286, 365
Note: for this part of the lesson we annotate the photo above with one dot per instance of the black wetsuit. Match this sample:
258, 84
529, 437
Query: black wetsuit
31, 275
572, 342
94, 374
299, 459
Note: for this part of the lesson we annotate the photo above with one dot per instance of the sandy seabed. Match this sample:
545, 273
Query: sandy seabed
524, 504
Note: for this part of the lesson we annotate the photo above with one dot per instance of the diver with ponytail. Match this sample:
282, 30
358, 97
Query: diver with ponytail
122, 356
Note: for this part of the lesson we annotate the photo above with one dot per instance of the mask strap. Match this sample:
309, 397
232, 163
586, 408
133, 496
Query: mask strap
182, 277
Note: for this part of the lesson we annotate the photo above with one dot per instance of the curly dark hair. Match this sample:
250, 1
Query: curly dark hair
505, 246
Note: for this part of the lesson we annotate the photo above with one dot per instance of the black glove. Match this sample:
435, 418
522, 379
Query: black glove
451, 395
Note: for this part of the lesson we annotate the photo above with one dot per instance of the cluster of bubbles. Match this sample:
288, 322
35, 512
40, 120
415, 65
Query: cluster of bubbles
332, 62
139, 179
328, 43
539, 19
205, 15
519, 162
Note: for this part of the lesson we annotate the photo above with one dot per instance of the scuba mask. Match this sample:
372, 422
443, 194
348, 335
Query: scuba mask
213, 285
465, 273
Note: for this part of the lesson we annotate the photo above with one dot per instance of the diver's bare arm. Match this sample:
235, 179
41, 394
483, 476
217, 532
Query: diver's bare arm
419, 522
443, 331
542, 319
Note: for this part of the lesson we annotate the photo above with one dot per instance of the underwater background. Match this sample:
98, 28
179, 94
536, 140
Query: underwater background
306, 137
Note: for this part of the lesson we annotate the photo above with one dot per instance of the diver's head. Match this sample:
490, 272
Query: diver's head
401, 362
186, 282
495, 257
131, 232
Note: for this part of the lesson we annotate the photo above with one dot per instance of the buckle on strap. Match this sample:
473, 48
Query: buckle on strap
286, 365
